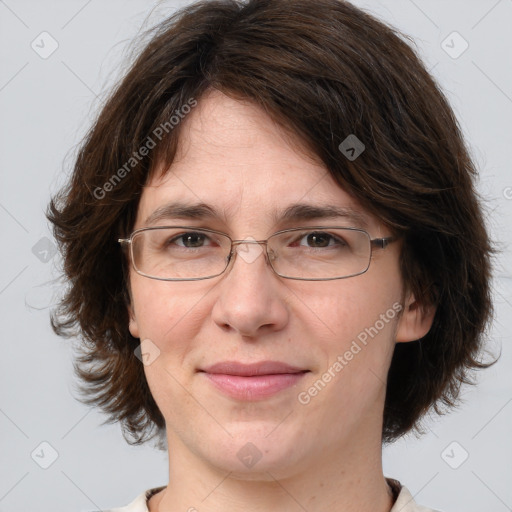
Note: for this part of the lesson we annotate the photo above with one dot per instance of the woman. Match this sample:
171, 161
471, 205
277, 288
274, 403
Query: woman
276, 256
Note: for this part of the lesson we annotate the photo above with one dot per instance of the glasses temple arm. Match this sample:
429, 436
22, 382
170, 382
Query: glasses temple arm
382, 243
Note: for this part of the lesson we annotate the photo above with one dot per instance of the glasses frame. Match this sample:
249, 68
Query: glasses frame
377, 243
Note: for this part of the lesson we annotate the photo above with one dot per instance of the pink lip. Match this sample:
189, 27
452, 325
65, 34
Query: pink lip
253, 381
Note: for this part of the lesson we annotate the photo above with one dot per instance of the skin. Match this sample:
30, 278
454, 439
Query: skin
323, 456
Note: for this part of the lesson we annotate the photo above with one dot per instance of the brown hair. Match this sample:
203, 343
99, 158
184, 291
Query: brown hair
323, 69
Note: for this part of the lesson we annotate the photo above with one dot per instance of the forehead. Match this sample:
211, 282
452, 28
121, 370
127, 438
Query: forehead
232, 156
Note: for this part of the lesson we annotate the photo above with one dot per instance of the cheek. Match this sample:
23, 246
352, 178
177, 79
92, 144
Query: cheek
358, 321
358, 318
169, 314
345, 308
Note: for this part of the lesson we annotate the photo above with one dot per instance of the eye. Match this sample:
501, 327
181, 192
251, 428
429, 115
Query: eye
191, 240
319, 239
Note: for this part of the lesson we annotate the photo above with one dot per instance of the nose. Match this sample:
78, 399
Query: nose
251, 297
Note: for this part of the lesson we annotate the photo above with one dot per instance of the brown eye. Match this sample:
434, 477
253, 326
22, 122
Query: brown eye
319, 239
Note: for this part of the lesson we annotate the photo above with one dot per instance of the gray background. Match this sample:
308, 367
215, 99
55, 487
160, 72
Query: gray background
46, 106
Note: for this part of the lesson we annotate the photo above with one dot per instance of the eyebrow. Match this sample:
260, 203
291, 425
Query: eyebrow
304, 211
293, 213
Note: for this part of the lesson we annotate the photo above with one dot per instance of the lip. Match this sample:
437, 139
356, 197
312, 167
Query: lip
252, 369
253, 381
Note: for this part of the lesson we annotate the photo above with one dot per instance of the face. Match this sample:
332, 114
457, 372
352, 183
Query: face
235, 159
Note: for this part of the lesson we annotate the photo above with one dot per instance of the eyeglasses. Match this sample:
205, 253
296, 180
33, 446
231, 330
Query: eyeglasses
184, 253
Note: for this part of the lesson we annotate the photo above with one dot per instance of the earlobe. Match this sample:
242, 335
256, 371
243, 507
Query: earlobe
133, 326
415, 322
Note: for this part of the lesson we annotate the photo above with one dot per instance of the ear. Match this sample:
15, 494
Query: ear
133, 326
416, 320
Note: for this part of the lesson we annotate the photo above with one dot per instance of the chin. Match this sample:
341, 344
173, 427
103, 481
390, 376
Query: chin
254, 454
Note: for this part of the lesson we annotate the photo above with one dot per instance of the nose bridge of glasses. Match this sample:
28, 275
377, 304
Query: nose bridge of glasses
249, 241
251, 251
235, 246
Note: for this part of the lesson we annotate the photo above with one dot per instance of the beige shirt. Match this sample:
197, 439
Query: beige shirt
404, 502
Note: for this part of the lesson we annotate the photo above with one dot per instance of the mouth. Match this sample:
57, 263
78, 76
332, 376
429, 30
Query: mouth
254, 381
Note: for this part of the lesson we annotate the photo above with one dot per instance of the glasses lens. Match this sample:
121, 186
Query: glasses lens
180, 253
327, 253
